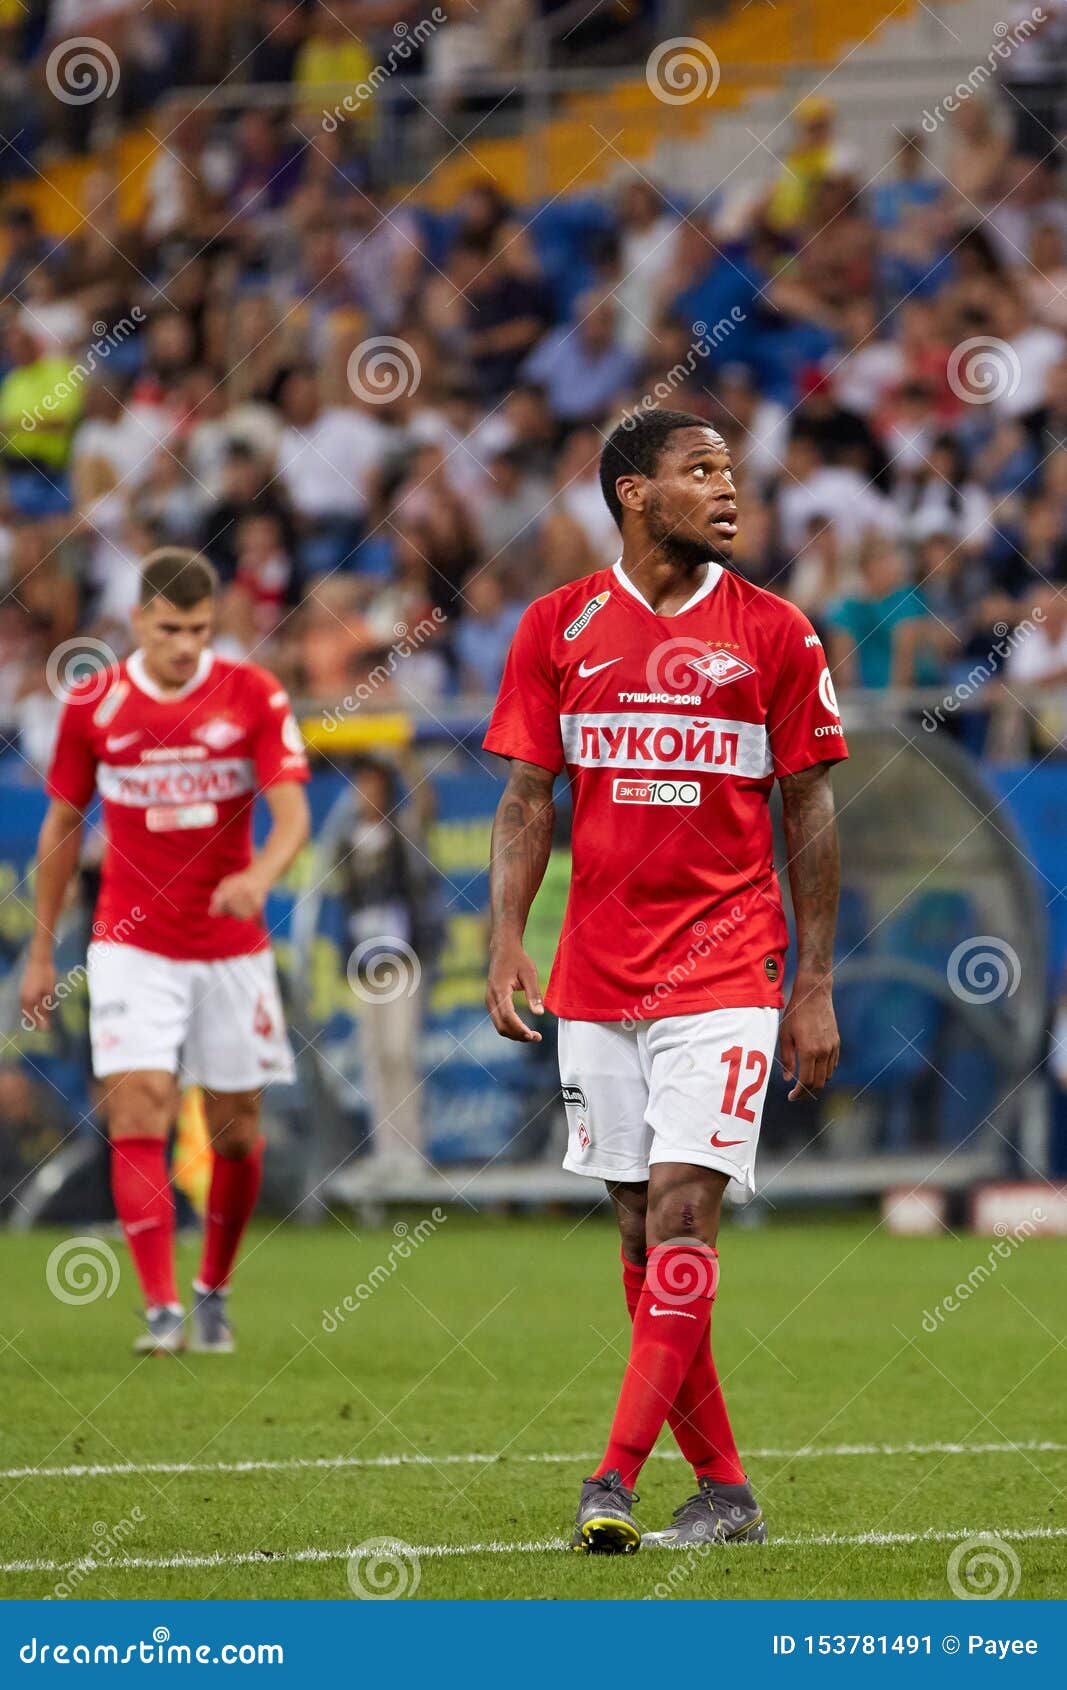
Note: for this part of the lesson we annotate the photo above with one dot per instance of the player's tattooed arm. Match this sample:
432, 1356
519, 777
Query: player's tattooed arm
808, 1039
58, 850
522, 841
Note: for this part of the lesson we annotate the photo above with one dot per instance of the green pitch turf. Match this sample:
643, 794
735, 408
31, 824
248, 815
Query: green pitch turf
504, 1340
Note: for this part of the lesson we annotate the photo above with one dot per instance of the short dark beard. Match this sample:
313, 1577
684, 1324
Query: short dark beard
679, 550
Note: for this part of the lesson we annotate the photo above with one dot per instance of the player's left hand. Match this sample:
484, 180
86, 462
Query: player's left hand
808, 1040
241, 895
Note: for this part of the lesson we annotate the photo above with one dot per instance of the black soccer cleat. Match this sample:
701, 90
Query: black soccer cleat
716, 1514
604, 1524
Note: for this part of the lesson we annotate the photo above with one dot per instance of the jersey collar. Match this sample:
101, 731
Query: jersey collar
144, 683
710, 581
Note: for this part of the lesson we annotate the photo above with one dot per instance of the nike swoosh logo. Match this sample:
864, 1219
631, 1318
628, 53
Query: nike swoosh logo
117, 741
655, 1312
588, 669
724, 1143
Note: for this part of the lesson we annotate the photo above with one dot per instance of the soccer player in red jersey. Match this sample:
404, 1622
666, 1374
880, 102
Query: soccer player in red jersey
177, 742
674, 693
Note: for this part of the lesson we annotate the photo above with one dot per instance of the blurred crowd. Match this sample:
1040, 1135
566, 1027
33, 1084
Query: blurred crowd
382, 422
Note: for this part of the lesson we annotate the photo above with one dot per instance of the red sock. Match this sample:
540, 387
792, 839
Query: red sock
670, 1325
235, 1182
140, 1186
698, 1418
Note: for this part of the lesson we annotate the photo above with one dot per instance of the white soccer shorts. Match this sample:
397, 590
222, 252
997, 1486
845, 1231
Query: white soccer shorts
217, 1024
686, 1088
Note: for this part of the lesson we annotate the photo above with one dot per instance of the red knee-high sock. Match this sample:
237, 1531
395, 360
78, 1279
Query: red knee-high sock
698, 1419
235, 1182
140, 1186
670, 1325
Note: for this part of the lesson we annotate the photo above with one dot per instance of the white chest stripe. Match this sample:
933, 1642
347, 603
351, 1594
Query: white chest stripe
653, 740
142, 785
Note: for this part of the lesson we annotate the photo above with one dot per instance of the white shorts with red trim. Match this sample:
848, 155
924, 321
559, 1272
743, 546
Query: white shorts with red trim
686, 1088
217, 1024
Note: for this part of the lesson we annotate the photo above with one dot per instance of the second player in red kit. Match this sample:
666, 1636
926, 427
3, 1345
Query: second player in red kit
176, 742
674, 694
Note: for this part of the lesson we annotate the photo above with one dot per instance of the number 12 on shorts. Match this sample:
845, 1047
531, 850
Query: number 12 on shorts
740, 1062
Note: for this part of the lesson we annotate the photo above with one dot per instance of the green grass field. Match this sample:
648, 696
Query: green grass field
471, 1390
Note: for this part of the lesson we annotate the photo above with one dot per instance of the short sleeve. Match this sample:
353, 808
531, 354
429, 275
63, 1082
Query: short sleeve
278, 745
803, 721
525, 721
72, 772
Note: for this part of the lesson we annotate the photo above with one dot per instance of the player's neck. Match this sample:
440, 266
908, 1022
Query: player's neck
664, 582
162, 686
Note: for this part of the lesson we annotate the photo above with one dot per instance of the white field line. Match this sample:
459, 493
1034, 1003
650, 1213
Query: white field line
298, 1464
441, 1551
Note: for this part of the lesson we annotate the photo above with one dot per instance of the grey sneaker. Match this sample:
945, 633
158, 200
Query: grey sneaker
716, 1514
166, 1331
212, 1334
605, 1524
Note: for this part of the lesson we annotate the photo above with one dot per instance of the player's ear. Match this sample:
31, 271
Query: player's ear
630, 490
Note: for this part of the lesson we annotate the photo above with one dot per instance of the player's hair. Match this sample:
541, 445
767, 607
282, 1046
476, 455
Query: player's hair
181, 577
634, 447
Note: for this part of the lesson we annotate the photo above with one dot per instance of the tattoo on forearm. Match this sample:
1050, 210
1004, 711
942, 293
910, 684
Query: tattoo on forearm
522, 841
814, 865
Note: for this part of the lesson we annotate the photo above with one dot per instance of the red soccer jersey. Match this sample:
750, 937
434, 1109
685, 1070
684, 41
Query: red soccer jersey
672, 729
177, 773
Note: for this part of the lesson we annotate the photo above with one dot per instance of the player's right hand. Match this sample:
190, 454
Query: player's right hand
512, 970
38, 993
